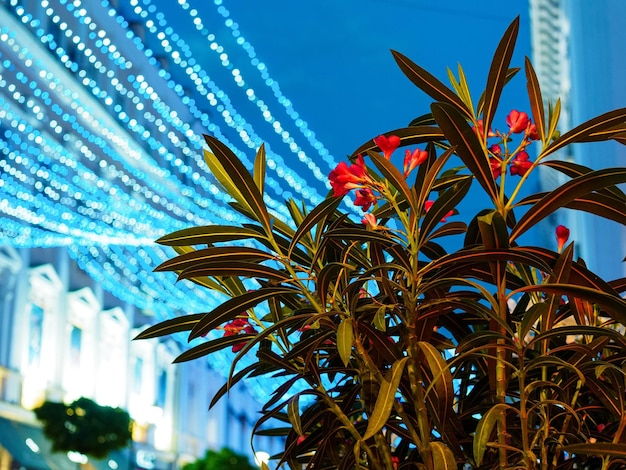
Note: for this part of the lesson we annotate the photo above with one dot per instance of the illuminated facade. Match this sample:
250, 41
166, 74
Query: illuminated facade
102, 107
578, 52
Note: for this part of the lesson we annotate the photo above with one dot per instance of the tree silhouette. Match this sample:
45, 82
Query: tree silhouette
84, 426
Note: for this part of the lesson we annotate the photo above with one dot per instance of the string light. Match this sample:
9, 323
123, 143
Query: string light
101, 149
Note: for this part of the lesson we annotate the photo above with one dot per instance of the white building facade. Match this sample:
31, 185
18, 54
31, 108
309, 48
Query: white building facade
578, 51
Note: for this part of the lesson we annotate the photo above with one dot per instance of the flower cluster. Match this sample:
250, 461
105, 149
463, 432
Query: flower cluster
236, 327
355, 176
500, 156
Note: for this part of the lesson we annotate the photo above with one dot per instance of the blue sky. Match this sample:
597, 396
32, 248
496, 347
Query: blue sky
332, 57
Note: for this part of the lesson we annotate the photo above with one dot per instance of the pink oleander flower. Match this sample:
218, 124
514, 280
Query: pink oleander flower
496, 162
480, 131
365, 198
531, 132
429, 204
236, 327
369, 220
344, 178
562, 235
387, 144
517, 121
520, 164
413, 159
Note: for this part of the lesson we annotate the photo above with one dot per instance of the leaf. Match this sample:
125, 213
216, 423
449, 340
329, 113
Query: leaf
317, 215
214, 254
573, 170
207, 235
235, 306
386, 398
443, 205
326, 275
391, 173
584, 130
536, 100
259, 169
246, 193
212, 346
408, 136
293, 413
597, 448
171, 326
345, 338
357, 233
234, 268
468, 148
442, 381
484, 430
497, 73
428, 83
567, 193
443, 457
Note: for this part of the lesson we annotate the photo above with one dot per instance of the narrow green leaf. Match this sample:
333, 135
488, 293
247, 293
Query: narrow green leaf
446, 202
246, 193
326, 275
345, 338
442, 381
212, 346
385, 399
536, 100
235, 306
574, 170
391, 173
316, 216
171, 326
468, 148
293, 413
430, 85
584, 130
259, 169
443, 457
207, 235
408, 136
567, 193
497, 73
234, 268
485, 429
554, 113
509, 76
359, 234
425, 185
597, 448
534, 312
214, 254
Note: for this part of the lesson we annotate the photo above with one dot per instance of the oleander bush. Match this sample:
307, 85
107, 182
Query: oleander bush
408, 333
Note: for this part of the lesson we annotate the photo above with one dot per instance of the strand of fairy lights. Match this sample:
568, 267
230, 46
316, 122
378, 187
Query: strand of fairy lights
236, 74
112, 279
137, 128
157, 146
33, 135
274, 85
189, 210
81, 184
232, 117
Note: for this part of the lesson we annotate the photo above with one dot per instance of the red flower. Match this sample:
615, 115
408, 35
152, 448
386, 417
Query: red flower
562, 235
601, 427
365, 198
531, 132
520, 164
495, 162
369, 220
387, 144
480, 131
344, 178
429, 204
413, 159
237, 326
517, 121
